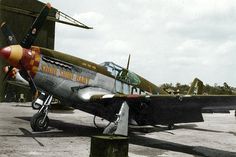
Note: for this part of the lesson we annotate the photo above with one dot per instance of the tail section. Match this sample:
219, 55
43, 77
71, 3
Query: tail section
196, 87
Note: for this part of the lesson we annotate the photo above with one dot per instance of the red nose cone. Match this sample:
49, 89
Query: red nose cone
5, 52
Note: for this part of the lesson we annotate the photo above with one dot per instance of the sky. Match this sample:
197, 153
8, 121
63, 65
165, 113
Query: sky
169, 41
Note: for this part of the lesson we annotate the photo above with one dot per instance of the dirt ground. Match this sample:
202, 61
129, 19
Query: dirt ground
70, 135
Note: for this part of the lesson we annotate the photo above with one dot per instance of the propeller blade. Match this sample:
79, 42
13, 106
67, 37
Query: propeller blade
33, 87
27, 76
8, 72
35, 28
11, 39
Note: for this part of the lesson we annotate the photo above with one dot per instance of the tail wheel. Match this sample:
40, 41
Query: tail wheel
39, 122
171, 126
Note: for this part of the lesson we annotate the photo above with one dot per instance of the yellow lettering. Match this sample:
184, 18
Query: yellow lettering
49, 70
65, 74
82, 79
94, 67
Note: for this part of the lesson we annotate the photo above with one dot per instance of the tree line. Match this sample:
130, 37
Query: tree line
224, 89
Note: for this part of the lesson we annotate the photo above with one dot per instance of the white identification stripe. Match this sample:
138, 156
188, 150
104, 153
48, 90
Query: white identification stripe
39, 101
108, 96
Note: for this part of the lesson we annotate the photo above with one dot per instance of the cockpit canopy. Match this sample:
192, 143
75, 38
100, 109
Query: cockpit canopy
121, 73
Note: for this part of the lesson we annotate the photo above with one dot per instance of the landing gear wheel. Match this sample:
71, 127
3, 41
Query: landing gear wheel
97, 126
39, 122
171, 126
35, 105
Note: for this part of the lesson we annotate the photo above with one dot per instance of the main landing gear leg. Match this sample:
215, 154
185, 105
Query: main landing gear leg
40, 121
120, 126
38, 102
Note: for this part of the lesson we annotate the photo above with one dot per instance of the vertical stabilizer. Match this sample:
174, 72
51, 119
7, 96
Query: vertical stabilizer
196, 87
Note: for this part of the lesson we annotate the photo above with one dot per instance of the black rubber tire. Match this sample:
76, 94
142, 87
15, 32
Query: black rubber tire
35, 106
171, 126
36, 124
97, 126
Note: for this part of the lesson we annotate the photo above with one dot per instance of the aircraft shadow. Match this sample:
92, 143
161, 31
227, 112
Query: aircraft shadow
165, 129
65, 129
142, 130
194, 150
194, 127
71, 130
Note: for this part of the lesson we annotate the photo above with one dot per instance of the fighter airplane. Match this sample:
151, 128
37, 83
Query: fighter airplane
103, 90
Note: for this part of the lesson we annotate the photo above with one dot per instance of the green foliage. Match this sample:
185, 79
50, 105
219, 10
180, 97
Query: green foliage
225, 89
219, 90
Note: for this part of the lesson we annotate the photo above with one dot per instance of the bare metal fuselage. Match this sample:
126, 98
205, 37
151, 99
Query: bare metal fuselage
70, 82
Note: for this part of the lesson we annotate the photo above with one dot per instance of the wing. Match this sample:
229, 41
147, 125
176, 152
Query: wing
156, 109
